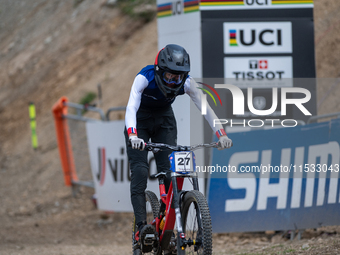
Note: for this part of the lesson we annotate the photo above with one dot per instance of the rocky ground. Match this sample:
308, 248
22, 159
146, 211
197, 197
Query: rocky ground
53, 48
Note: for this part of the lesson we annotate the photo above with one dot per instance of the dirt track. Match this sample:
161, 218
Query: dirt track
52, 48
69, 225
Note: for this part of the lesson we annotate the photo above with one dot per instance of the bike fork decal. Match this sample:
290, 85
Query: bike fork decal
179, 220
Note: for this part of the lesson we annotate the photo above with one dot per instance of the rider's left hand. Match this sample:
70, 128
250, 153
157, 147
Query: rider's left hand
224, 142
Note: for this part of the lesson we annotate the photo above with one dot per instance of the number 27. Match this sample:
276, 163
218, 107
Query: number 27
182, 160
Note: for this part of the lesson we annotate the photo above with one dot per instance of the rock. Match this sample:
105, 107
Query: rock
48, 40
305, 246
111, 3
146, 9
277, 239
10, 46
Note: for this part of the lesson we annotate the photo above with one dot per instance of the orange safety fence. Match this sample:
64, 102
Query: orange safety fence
59, 110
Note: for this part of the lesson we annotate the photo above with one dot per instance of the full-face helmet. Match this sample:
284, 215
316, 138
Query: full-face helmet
172, 66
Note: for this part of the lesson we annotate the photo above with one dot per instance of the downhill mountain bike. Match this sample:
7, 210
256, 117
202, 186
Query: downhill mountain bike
188, 209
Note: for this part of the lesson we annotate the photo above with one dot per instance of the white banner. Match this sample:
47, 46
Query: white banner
109, 166
259, 72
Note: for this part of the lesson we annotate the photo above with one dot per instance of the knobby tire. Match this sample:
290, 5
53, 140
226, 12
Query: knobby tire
196, 223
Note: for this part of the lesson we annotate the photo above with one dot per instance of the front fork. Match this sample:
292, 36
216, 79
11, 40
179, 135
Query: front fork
181, 238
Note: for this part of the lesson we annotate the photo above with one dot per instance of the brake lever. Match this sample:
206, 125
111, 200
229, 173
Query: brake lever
150, 148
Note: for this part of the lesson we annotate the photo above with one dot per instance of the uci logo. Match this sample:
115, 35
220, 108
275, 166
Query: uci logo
245, 37
257, 37
256, 2
177, 8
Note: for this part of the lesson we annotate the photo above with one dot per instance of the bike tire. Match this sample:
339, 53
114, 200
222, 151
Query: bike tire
196, 222
152, 211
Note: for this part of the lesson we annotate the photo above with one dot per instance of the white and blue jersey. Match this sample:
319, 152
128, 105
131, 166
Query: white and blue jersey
146, 94
152, 96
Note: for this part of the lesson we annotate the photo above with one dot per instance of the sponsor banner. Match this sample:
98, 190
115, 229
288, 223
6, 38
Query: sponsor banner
174, 8
207, 5
257, 37
110, 168
191, 6
259, 72
164, 10
281, 179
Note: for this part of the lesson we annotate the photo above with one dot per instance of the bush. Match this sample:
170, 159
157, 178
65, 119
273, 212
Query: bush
87, 99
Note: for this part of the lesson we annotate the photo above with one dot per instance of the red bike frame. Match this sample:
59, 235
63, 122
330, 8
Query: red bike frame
170, 212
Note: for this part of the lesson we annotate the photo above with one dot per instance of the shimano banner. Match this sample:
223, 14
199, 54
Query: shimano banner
278, 179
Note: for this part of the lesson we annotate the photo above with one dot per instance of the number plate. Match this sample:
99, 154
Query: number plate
183, 161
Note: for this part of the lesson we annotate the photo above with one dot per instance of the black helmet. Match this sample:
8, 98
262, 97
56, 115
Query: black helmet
172, 66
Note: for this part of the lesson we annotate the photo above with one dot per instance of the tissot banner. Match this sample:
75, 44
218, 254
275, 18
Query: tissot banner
257, 72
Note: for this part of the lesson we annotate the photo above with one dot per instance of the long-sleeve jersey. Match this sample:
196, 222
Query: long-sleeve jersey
146, 94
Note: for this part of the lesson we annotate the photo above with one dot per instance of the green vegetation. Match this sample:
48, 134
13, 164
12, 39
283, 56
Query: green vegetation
144, 9
87, 99
289, 250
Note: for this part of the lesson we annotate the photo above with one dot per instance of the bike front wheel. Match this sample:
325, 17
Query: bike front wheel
197, 223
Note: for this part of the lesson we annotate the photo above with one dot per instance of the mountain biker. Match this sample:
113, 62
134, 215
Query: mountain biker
149, 115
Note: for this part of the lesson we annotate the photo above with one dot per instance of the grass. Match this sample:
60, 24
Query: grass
286, 251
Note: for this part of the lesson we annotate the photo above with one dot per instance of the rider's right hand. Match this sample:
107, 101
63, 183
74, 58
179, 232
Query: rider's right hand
137, 143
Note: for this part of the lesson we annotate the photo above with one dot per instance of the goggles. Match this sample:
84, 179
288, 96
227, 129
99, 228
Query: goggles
171, 78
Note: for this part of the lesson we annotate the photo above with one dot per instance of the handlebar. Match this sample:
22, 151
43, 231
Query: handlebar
159, 146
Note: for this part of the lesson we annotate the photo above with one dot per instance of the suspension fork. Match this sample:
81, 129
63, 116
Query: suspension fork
195, 183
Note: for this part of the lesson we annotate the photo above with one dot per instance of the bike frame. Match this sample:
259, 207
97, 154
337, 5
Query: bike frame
171, 215
172, 198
